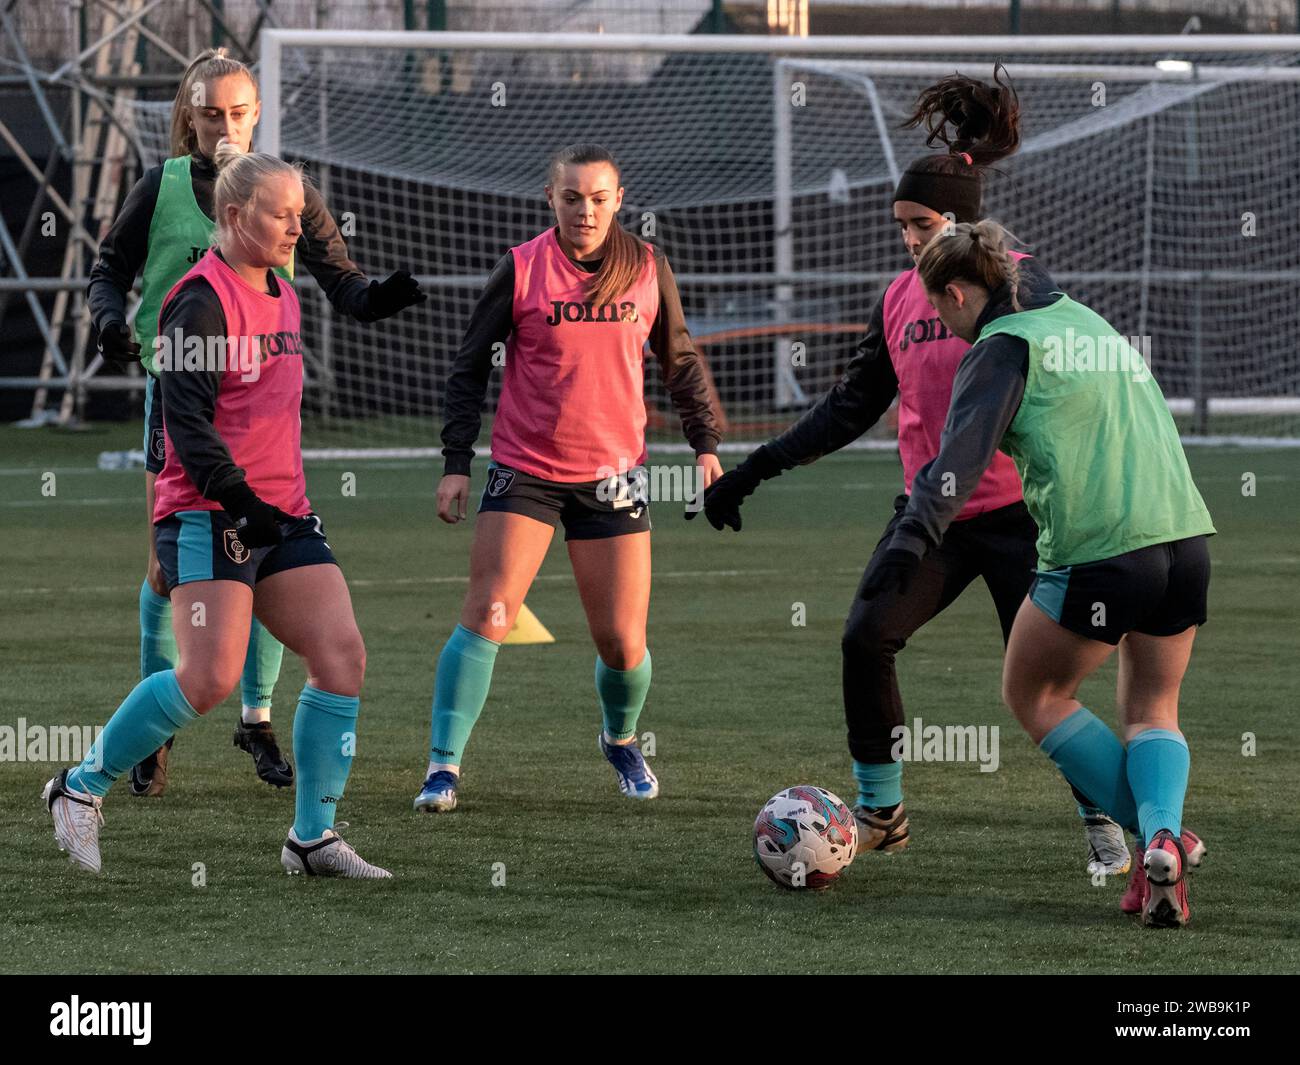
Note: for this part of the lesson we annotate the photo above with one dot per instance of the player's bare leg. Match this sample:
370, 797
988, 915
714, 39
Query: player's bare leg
211, 619
157, 650
309, 610
1151, 670
613, 575
508, 551
1044, 666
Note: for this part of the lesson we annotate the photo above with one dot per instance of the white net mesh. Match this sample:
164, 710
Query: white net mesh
1136, 201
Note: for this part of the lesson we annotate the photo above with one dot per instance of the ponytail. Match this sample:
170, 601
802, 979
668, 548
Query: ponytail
972, 252
978, 124
970, 117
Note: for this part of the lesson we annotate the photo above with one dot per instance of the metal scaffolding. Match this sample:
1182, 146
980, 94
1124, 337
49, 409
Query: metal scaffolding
111, 55
85, 107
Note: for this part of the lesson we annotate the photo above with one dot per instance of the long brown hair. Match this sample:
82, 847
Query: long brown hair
976, 122
210, 63
972, 252
624, 253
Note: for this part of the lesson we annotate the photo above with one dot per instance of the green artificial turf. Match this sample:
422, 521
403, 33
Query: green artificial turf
743, 704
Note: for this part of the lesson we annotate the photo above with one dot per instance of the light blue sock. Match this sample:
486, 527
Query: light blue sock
879, 783
622, 693
261, 666
324, 741
157, 642
460, 688
1158, 762
1091, 758
155, 711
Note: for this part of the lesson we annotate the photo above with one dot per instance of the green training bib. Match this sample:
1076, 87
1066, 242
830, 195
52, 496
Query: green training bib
1097, 449
179, 233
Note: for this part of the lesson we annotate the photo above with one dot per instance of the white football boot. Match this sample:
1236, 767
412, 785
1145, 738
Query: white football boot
1107, 852
327, 856
77, 818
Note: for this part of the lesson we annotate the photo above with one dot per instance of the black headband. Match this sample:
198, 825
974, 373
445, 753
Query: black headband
959, 193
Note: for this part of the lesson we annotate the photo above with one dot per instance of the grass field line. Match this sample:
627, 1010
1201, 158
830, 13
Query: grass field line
20, 471
96, 501
132, 500
392, 582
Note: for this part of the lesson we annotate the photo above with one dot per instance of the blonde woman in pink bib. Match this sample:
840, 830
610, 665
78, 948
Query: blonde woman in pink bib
236, 535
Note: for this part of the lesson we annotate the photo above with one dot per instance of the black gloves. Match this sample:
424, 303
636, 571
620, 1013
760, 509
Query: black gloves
723, 497
399, 291
892, 574
256, 521
117, 345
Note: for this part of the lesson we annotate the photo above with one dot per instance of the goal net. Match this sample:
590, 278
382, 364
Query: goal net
1158, 181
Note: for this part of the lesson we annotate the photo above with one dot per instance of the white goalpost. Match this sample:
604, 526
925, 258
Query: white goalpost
1158, 180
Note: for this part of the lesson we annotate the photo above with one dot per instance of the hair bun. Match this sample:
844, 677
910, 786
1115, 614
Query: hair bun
226, 154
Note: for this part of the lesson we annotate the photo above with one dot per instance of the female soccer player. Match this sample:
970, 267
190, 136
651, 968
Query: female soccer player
909, 354
163, 228
1122, 555
236, 535
573, 308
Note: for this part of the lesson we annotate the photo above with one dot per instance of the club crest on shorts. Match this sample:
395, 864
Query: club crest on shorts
158, 445
500, 482
235, 549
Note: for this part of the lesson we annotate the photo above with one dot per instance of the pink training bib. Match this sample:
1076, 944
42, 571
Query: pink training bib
925, 357
573, 396
259, 403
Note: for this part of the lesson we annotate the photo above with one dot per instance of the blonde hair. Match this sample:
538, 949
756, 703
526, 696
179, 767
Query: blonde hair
210, 63
240, 176
974, 252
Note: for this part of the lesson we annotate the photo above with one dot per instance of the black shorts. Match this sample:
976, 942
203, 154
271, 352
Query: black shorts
1158, 590
202, 545
590, 510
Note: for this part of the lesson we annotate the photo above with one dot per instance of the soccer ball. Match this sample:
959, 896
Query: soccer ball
805, 837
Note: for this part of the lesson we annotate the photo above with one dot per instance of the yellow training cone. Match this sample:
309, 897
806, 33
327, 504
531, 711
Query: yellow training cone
527, 629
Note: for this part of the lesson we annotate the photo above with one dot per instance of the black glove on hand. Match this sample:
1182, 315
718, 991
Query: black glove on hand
723, 497
117, 345
399, 291
256, 521
892, 574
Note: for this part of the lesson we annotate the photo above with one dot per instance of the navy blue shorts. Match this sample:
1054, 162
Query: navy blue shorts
202, 545
1159, 590
589, 510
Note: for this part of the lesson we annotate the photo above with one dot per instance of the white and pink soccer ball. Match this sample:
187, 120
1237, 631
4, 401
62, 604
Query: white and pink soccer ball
805, 837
